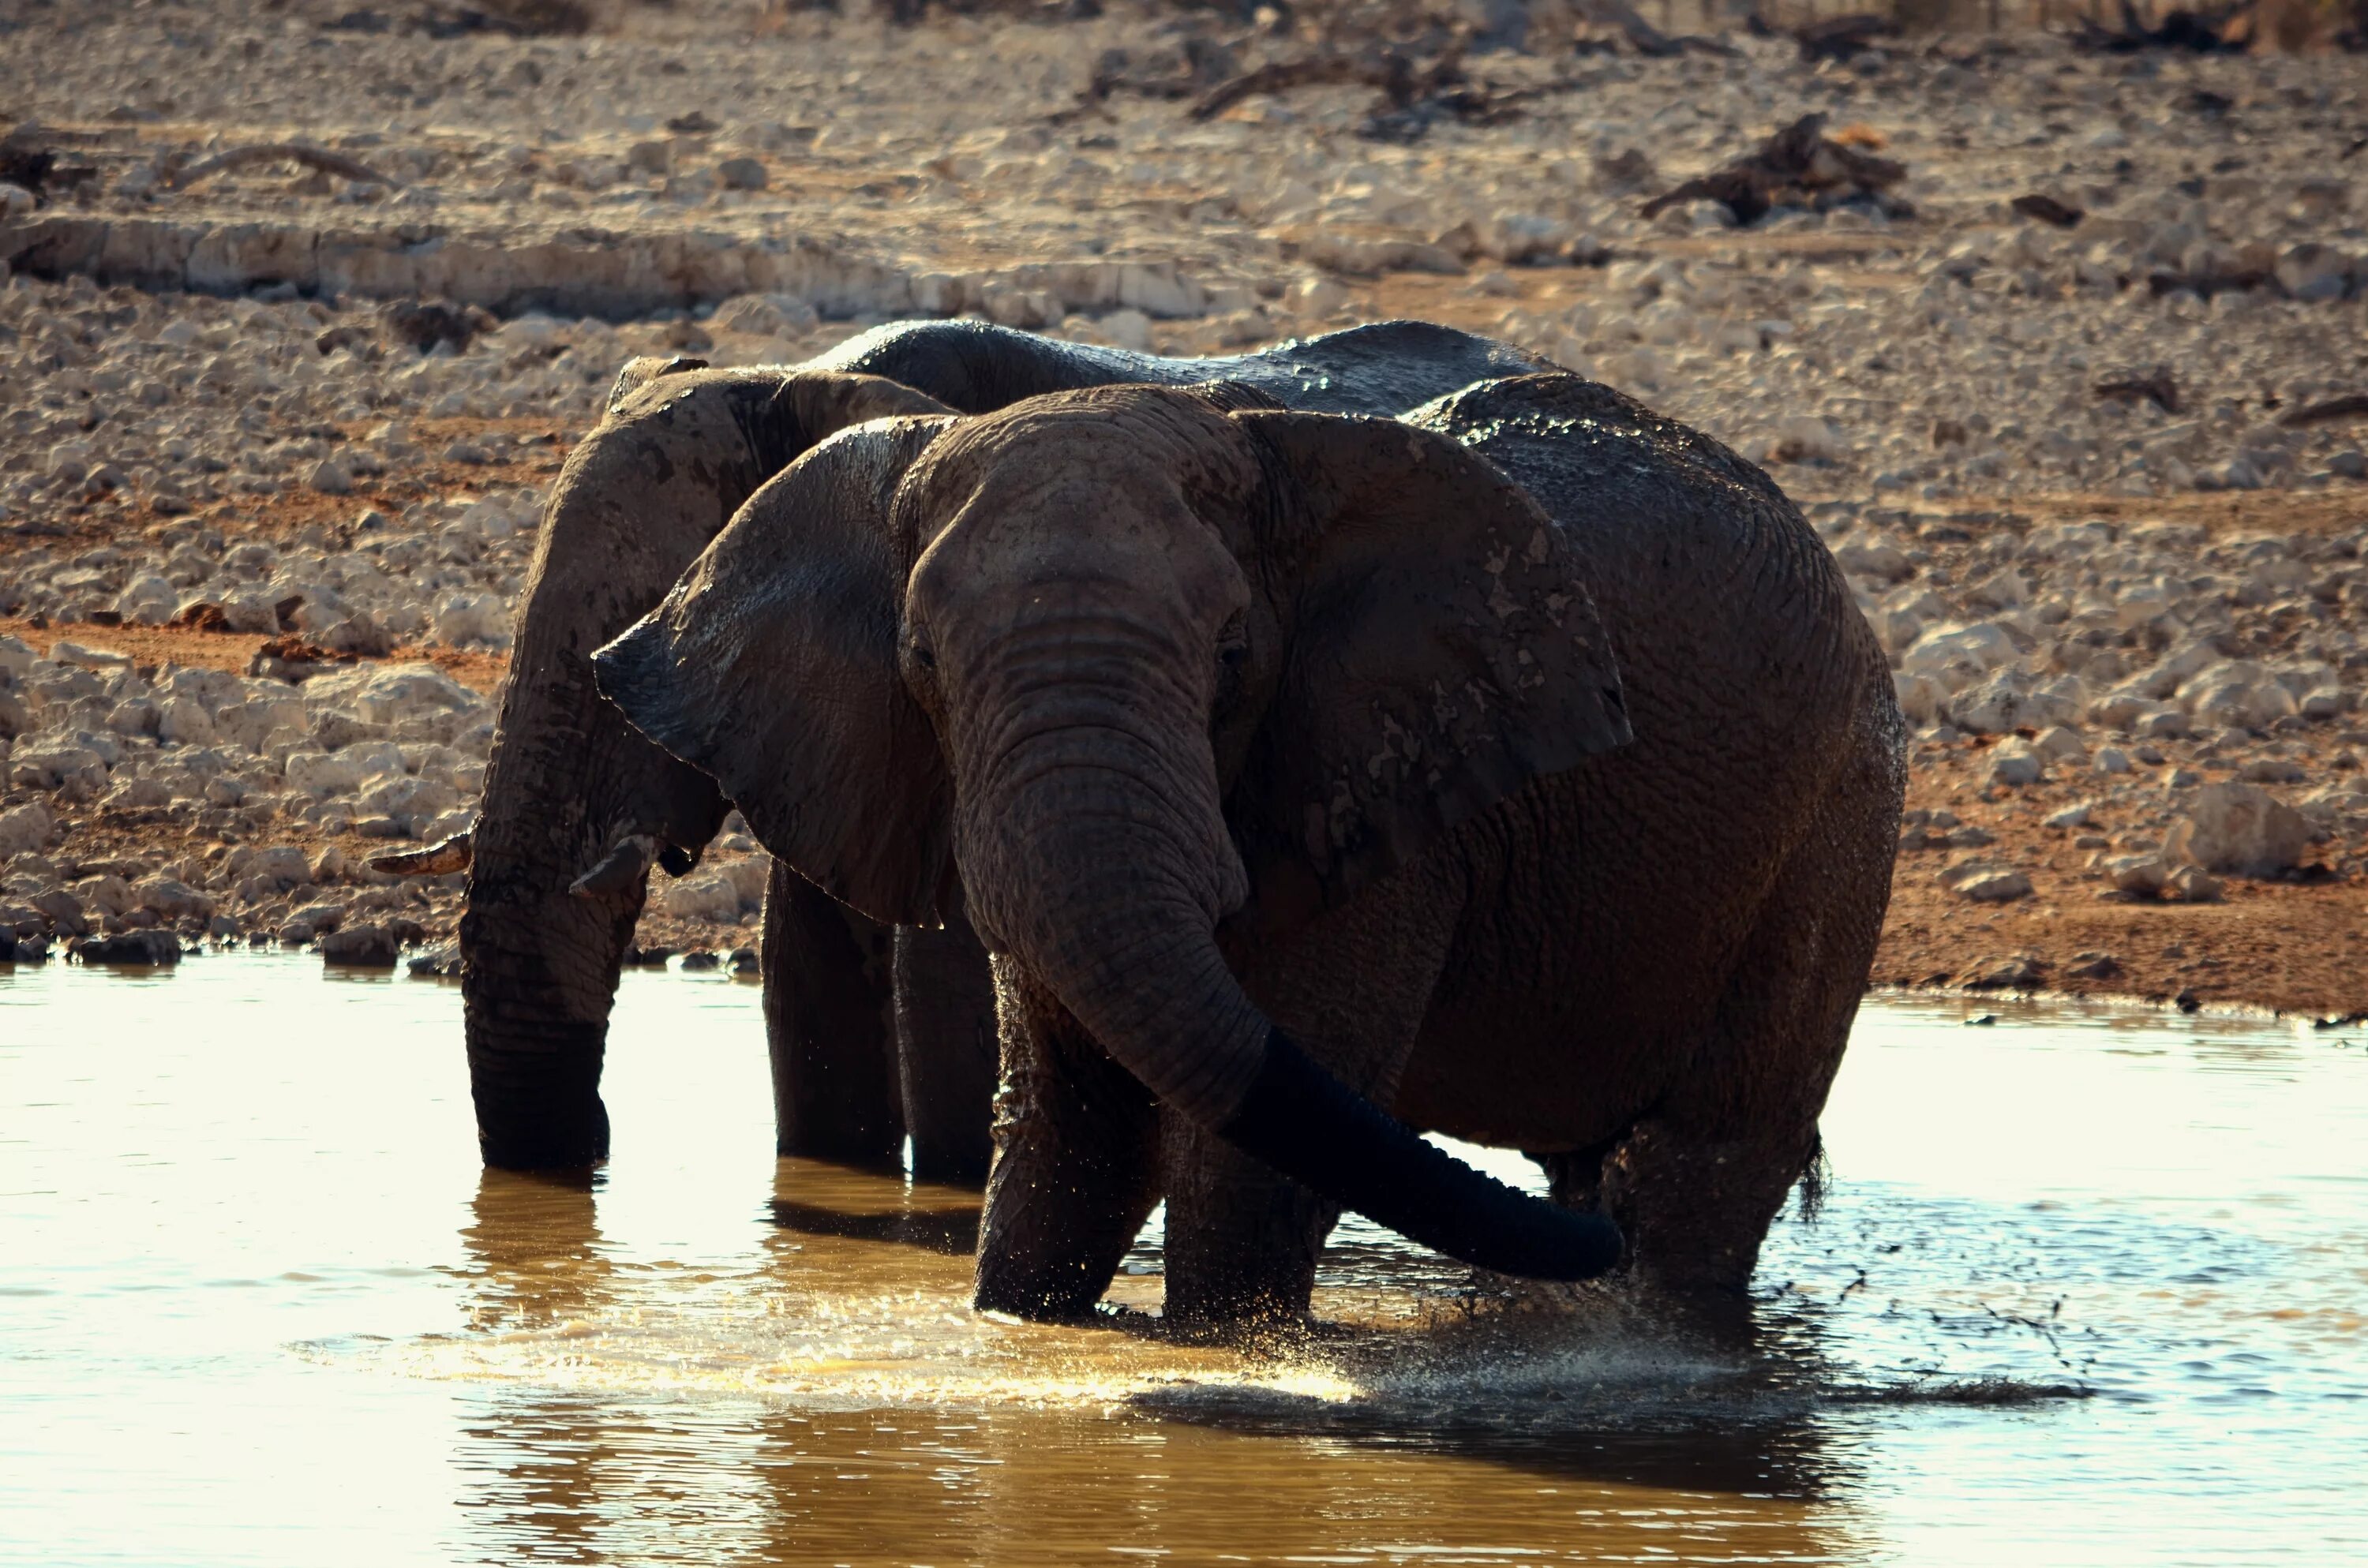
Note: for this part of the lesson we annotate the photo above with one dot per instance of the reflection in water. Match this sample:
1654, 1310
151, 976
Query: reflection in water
1459, 1436
275, 1313
533, 1243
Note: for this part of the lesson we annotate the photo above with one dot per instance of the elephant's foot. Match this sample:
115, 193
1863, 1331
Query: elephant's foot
1242, 1240
1694, 1208
564, 1134
1058, 1219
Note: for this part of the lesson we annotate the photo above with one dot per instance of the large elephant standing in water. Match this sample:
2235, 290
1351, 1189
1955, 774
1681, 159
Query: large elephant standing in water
1522, 766
577, 807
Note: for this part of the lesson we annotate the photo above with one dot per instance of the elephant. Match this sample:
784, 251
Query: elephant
1520, 769
577, 806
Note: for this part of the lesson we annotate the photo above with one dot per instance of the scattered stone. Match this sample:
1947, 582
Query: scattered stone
127, 947
2243, 830
1986, 882
741, 174
441, 962
367, 946
2009, 972
2014, 763
699, 960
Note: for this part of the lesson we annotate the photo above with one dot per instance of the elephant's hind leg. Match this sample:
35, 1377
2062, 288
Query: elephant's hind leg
1697, 1181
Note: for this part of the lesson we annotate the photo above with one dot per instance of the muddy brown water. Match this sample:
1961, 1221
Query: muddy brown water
2089, 1287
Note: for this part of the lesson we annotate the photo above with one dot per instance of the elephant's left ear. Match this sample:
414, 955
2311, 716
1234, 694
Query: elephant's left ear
1441, 650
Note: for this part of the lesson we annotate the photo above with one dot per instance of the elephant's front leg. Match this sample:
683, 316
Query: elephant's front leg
1076, 1166
1242, 1240
946, 1049
1353, 988
826, 1028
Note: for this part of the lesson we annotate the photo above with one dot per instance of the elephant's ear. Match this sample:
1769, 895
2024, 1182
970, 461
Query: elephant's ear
773, 666
1440, 649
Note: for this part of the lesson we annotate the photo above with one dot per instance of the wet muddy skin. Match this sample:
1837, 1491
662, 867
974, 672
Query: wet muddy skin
2088, 1288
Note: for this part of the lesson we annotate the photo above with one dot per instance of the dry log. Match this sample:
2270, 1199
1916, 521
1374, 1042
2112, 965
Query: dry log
2216, 31
2326, 411
2156, 386
280, 153
1798, 166
2047, 209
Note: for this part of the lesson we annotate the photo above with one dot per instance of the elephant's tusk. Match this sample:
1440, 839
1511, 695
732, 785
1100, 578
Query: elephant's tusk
626, 863
436, 860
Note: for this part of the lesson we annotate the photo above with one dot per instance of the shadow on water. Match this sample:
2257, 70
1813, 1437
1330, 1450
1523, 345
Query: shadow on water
950, 1231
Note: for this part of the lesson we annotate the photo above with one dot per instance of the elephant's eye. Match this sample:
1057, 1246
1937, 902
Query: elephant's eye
923, 654
1230, 656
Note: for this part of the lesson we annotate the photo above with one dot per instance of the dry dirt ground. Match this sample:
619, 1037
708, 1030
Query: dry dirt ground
2124, 601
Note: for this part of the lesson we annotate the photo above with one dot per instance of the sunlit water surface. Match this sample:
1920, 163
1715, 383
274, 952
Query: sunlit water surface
2089, 1289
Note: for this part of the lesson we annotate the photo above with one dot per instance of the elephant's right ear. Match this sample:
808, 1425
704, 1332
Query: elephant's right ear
771, 665
1442, 651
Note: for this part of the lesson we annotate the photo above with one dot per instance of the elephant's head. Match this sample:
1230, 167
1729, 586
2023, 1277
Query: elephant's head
1139, 662
577, 806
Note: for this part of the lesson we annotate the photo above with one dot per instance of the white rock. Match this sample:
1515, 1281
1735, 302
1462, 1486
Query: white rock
25, 828
2014, 763
2059, 743
1986, 881
2008, 700
702, 895
1956, 655
750, 877
183, 720
2243, 829
464, 618
1127, 329
384, 694
1804, 437
2313, 272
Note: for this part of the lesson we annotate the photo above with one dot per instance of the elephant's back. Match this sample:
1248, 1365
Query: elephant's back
1386, 367
1704, 573
1610, 903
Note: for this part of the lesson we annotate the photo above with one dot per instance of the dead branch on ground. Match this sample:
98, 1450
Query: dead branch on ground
280, 153
1798, 167
2156, 386
2326, 411
2216, 30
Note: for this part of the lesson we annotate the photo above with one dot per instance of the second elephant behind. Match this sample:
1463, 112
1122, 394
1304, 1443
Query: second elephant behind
874, 1035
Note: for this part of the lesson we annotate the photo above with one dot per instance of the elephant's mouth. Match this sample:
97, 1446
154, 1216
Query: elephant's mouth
629, 858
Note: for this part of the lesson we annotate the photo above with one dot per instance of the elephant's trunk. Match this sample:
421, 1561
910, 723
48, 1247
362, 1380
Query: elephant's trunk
540, 961
1096, 854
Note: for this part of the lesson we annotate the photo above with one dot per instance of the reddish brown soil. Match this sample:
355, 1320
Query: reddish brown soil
2293, 947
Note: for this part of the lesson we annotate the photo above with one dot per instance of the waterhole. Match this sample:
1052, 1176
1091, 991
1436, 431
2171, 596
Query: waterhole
2087, 1287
